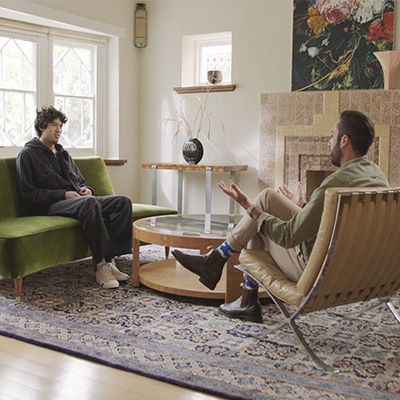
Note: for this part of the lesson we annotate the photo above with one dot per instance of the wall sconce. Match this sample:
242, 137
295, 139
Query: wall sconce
140, 28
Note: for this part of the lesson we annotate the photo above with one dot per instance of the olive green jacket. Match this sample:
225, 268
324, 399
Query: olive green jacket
302, 228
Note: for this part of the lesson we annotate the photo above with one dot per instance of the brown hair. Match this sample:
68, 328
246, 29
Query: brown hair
359, 128
46, 115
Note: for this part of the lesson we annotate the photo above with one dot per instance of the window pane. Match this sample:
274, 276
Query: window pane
17, 64
17, 113
216, 57
74, 92
78, 132
72, 70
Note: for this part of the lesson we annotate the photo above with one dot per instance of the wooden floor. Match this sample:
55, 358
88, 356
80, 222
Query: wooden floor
30, 372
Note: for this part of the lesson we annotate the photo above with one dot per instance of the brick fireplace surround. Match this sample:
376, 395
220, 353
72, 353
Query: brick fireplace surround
295, 129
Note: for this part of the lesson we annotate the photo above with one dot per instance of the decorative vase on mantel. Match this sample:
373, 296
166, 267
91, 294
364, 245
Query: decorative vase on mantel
192, 151
390, 62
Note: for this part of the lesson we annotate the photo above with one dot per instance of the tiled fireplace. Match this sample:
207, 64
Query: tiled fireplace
295, 129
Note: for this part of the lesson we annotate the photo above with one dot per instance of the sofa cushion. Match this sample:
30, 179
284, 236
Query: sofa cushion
148, 210
96, 175
8, 191
13, 228
30, 244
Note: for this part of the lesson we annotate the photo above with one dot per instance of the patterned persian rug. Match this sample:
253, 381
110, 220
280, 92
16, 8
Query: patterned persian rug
188, 343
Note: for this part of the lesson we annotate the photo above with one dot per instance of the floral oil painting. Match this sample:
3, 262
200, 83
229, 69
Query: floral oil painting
334, 42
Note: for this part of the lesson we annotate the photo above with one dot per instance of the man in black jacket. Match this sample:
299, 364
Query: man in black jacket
50, 183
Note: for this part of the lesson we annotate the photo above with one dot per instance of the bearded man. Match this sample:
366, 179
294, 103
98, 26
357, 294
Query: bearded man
276, 224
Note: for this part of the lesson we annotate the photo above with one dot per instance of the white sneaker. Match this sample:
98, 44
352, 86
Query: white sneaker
105, 277
118, 275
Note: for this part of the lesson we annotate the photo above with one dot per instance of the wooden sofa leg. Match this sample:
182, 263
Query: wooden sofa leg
166, 252
18, 288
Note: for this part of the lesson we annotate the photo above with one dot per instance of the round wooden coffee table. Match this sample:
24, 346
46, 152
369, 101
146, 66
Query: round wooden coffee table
189, 232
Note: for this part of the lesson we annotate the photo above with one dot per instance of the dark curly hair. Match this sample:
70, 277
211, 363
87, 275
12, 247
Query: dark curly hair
46, 115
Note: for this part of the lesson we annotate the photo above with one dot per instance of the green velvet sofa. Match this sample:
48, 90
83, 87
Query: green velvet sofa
31, 244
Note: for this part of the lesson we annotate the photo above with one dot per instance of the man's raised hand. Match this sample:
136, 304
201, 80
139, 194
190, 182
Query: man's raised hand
236, 194
297, 196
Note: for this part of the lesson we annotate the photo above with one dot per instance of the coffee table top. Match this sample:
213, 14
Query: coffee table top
201, 226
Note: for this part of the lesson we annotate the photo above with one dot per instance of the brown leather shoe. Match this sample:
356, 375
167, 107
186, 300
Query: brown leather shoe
247, 307
208, 267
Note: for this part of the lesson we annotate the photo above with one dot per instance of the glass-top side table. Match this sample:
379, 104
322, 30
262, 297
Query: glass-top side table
190, 232
181, 168
190, 226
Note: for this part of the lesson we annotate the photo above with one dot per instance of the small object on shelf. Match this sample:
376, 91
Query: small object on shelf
214, 77
192, 151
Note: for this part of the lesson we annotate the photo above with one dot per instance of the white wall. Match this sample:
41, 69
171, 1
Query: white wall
261, 36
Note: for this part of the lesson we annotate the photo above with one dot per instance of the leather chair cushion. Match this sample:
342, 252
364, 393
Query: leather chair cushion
260, 264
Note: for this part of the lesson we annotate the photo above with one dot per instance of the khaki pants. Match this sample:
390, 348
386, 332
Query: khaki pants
245, 234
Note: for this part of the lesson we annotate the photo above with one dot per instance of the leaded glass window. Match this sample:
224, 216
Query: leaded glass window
74, 92
17, 90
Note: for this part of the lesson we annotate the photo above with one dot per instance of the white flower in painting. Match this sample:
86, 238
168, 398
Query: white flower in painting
325, 42
302, 48
368, 9
313, 51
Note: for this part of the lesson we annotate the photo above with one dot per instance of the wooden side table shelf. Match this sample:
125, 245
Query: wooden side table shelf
181, 168
190, 232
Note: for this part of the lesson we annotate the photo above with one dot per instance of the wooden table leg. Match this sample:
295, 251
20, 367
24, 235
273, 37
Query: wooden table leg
135, 262
233, 279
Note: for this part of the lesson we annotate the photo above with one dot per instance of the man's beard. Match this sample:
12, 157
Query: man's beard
336, 155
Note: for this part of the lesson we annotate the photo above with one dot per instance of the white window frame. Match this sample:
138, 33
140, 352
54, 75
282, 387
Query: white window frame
44, 84
191, 55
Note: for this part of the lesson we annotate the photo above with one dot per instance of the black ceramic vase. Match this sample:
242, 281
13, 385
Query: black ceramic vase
192, 151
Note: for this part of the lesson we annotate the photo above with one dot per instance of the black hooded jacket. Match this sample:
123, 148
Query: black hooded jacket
43, 177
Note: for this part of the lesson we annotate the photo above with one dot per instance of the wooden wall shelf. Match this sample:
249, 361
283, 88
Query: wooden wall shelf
204, 89
114, 162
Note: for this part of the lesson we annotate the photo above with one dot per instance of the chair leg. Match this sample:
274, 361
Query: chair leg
291, 321
166, 252
307, 348
393, 310
18, 288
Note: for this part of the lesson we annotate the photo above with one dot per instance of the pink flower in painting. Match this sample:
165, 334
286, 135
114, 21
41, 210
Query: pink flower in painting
336, 11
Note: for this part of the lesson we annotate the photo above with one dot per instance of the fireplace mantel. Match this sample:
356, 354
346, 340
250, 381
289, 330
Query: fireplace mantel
295, 129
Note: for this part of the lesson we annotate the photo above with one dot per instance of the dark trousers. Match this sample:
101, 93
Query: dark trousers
106, 222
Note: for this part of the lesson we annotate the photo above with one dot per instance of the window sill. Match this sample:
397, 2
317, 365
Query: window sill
204, 89
115, 162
